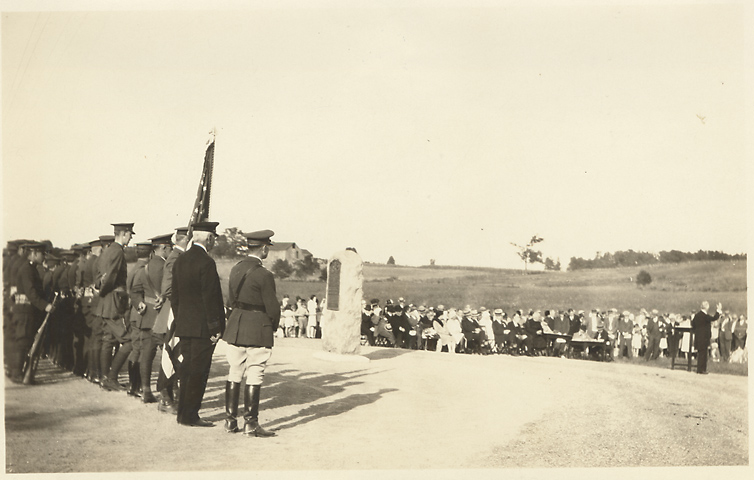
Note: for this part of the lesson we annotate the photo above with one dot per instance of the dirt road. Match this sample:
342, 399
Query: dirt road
402, 410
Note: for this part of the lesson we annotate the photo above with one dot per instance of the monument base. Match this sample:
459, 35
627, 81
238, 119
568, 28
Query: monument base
340, 357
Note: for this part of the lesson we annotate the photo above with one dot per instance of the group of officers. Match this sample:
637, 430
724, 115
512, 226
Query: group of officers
98, 317
600, 334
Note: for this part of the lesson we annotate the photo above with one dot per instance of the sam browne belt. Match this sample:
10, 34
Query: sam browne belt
250, 307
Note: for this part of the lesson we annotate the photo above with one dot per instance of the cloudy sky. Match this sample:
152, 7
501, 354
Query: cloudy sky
442, 132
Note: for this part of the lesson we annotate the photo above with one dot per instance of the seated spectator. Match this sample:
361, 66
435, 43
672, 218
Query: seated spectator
500, 330
446, 339
453, 324
472, 332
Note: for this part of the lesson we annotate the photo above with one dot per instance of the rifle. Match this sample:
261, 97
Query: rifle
32, 358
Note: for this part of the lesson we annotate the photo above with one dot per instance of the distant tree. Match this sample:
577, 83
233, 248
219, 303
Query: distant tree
231, 243
643, 278
282, 269
528, 254
391, 260
323, 274
306, 267
432, 262
550, 264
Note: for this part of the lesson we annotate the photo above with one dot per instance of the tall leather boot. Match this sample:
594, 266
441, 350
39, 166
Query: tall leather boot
133, 386
105, 360
251, 413
146, 383
232, 394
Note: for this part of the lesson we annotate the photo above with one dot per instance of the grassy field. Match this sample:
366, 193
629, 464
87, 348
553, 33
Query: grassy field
675, 288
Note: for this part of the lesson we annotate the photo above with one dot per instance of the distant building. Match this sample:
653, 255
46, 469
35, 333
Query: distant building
288, 251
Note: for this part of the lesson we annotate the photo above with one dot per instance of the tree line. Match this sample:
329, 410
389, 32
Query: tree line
631, 258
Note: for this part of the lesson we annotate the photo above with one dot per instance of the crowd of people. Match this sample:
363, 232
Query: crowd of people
605, 334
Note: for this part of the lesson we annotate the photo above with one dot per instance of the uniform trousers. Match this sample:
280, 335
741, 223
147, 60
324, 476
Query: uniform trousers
149, 343
136, 337
248, 363
193, 375
95, 342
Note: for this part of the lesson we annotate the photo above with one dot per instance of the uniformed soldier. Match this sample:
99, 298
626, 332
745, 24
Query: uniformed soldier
143, 253
171, 348
86, 301
79, 327
10, 254
254, 319
145, 294
61, 333
98, 324
111, 283
29, 308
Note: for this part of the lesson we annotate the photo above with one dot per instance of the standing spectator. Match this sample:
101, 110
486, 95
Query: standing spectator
289, 320
740, 333
311, 308
625, 331
654, 335
301, 315
701, 324
725, 337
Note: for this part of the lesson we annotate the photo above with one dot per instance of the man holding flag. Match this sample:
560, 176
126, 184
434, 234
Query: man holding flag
197, 303
164, 325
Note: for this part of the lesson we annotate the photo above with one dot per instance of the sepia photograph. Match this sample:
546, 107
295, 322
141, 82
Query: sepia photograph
376, 239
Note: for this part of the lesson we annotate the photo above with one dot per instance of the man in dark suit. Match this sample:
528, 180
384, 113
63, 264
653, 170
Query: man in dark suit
254, 319
701, 325
197, 303
112, 274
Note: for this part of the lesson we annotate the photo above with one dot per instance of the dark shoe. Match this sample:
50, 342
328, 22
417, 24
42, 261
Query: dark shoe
167, 407
148, 397
111, 385
199, 422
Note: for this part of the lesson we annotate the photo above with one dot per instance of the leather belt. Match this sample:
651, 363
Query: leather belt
21, 299
250, 307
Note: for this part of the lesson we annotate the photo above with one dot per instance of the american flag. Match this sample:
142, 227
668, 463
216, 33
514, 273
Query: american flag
200, 213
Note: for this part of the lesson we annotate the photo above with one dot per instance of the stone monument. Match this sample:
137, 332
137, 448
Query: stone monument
341, 318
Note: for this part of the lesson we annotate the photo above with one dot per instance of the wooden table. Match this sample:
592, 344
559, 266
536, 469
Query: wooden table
552, 337
587, 343
689, 361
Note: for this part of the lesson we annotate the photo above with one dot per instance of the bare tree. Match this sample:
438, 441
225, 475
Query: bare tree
527, 253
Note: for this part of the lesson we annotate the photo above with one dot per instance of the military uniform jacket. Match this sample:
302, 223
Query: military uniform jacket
197, 299
112, 273
147, 282
27, 314
252, 328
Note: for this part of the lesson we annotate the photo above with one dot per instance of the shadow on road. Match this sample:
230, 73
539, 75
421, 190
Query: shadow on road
294, 387
336, 407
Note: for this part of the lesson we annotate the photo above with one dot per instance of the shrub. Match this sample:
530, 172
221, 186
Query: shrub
643, 278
